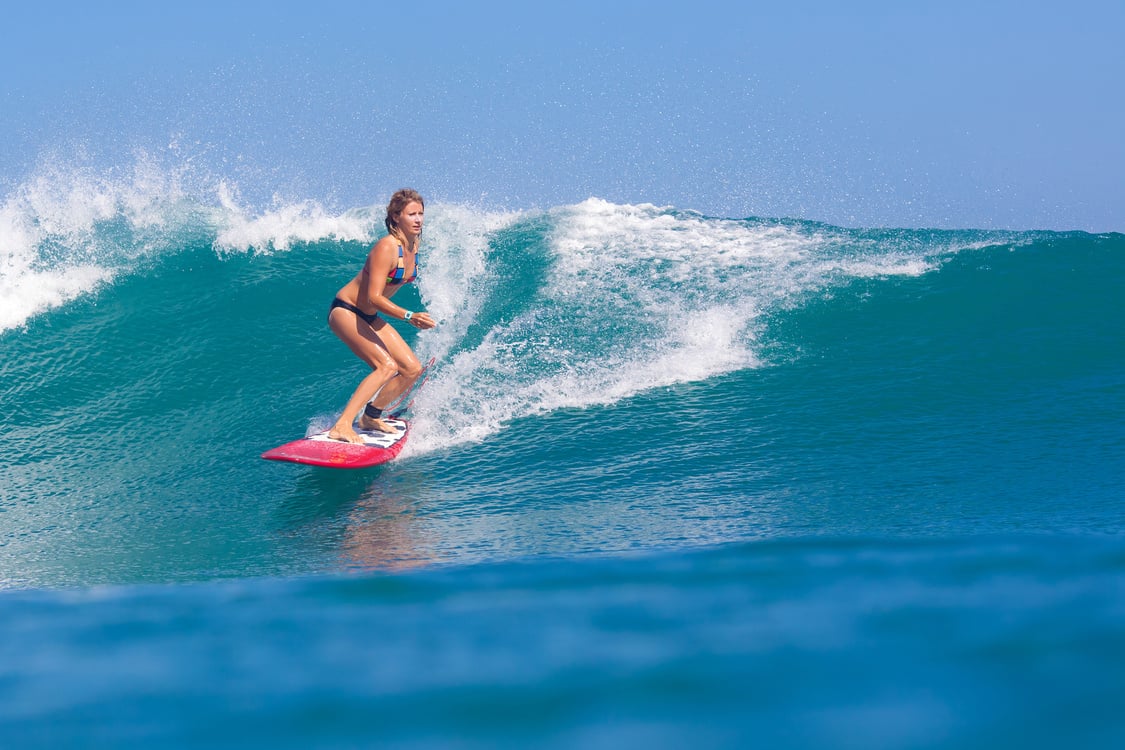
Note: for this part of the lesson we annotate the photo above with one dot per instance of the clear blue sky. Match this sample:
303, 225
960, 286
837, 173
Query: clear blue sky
948, 114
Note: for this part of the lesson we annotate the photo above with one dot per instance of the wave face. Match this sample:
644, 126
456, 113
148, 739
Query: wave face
775, 415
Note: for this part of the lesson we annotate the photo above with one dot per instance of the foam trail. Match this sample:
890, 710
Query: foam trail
636, 297
454, 264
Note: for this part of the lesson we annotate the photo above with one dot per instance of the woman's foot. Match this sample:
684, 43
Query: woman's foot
345, 434
370, 424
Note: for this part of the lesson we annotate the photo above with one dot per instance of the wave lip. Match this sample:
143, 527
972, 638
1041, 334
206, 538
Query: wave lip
69, 230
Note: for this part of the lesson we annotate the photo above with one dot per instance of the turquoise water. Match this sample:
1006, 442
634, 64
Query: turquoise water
675, 479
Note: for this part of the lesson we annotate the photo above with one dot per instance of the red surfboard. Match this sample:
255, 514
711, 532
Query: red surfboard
321, 450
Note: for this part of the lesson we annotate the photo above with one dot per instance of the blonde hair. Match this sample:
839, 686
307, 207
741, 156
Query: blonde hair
399, 201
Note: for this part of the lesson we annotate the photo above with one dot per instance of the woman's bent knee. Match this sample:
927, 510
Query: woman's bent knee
383, 364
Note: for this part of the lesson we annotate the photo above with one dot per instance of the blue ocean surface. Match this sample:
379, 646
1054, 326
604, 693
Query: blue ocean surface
676, 480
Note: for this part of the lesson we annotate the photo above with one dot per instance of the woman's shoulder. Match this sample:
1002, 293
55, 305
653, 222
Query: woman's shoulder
384, 246
386, 241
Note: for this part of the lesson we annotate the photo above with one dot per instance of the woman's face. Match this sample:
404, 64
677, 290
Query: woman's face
409, 219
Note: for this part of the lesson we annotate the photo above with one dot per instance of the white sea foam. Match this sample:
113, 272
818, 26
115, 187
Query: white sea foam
70, 229
50, 248
284, 224
637, 297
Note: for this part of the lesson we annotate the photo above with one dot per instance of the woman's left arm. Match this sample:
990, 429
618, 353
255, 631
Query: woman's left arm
381, 262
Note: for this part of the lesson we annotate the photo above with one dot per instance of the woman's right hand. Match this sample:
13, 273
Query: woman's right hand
422, 320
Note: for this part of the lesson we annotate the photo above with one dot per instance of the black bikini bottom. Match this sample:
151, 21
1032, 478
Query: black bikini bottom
369, 319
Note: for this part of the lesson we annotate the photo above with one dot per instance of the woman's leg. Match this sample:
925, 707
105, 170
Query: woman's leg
365, 343
407, 365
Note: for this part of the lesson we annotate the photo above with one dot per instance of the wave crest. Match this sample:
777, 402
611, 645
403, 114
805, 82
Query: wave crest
71, 229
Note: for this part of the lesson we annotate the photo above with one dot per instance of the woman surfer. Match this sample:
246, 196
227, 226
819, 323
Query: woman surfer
356, 317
